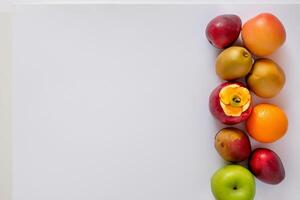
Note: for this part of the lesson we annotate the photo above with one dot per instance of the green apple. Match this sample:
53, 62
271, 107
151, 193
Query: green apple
233, 182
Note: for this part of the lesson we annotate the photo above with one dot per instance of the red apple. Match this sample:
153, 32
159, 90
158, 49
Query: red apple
266, 165
232, 144
230, 103
223, 30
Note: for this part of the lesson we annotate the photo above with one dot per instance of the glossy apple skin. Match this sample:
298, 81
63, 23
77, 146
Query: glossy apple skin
233, 182
217, 111
223, 30
232, 144
263, 34
266, 165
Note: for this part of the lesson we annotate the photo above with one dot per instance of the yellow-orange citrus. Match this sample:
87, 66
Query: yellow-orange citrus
267, 123
263, 34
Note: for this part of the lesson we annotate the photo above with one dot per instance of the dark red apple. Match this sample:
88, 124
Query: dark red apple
223, 30
230, 103
266, 165
232, 144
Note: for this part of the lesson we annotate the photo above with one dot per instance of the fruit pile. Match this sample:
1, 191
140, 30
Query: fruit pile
246, 72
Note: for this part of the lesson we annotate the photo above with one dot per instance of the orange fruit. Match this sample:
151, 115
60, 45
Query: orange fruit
267, 123
263, 34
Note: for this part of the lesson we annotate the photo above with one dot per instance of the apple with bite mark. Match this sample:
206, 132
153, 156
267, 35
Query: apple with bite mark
223, 30
266, 165
232, 144
233, 182
230, 103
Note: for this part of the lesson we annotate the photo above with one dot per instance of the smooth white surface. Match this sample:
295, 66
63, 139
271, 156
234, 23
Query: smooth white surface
151, 1
110, 102
5, 106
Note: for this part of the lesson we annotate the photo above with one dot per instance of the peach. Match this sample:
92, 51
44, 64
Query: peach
263, 34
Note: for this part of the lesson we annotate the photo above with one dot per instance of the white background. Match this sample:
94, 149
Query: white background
9, 4
5, 106
110, 102
151, 1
